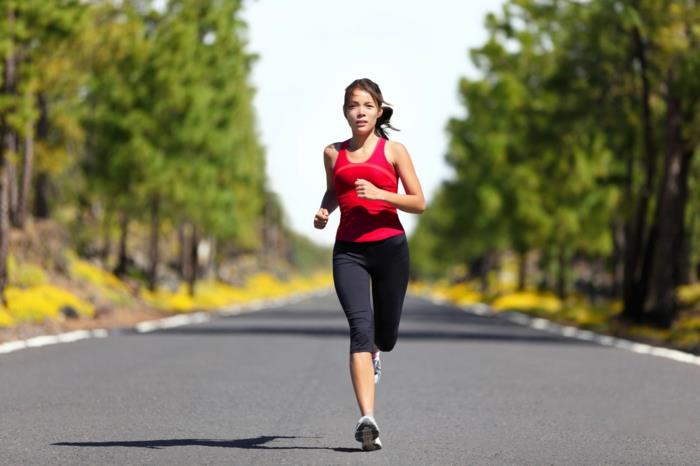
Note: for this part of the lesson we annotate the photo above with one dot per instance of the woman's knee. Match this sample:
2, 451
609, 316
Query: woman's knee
386, 344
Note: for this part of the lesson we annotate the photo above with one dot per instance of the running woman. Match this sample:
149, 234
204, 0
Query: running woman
362, 176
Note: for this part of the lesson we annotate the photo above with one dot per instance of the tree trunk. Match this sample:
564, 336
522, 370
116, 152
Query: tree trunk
26, 175
265, 234
616, 263
122, 261
543, 266
41, 196
12, 178
192, 279
662, 305
153, 243
484, 275
106, 237
42, 183
4, 230
479, 269
185, 251
522, 270
685, 260
6, 141
561, 273
211, 263
217, 260
634, 286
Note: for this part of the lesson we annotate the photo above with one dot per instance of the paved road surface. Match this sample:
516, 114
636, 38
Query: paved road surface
272, 387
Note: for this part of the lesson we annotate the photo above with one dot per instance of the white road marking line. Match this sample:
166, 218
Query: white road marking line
573, 332
44, 340
147, 326
12, 346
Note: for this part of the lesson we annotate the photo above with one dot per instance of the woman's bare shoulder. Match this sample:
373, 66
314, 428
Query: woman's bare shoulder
332, 149
395, 151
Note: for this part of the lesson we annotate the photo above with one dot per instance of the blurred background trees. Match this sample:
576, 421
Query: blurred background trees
578, 149
134, 127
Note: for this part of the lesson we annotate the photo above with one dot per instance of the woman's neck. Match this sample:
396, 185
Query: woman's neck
363, 141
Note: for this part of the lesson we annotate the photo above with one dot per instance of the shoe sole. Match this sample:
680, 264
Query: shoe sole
376, 445
366, 434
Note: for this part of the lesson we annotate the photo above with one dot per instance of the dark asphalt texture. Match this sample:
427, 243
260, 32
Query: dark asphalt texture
272, 387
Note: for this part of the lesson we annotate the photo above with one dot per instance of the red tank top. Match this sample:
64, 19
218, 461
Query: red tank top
364, 220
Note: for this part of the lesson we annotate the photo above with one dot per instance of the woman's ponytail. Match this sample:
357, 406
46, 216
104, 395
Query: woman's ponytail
384, 122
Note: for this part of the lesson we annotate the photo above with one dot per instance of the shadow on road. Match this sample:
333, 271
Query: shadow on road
434, 315
259, 443
522, 335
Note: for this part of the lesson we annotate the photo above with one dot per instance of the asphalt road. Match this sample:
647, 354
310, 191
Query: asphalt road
272, 387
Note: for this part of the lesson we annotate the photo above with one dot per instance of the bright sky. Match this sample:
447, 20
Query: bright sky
310, 50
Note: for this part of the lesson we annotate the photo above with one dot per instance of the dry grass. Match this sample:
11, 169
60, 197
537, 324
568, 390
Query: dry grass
53, 290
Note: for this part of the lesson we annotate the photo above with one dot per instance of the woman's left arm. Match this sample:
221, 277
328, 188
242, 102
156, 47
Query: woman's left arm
413, 201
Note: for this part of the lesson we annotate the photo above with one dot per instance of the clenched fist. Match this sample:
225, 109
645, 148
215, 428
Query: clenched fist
366, 190
321, 218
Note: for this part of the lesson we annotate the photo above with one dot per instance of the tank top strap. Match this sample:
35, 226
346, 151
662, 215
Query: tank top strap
379, 151
342, 158
379, 155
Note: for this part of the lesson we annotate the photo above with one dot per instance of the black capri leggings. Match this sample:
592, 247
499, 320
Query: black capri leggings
386, 263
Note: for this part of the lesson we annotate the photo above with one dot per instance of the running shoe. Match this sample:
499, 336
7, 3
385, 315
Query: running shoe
377, 363
367, 432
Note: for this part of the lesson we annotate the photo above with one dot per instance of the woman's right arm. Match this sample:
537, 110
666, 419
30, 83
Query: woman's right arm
330, 201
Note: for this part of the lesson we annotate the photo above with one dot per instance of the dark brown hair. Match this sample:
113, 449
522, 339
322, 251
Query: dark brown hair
369, 86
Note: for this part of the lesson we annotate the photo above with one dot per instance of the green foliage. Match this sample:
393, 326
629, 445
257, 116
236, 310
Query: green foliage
133, 106
170, 117
213, 171
550, 156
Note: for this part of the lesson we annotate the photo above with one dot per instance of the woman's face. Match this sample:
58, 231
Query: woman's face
362, 112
